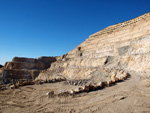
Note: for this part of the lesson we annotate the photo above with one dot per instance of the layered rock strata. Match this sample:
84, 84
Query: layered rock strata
24, 68
124, 46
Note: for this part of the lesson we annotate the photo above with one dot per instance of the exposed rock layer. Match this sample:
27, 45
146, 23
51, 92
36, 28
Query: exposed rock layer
122, 46
24, 68
105, 56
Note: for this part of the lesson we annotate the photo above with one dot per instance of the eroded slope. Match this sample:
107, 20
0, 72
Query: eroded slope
124, 46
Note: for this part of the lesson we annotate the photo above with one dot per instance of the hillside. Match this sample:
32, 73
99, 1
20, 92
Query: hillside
107, 73
124, 46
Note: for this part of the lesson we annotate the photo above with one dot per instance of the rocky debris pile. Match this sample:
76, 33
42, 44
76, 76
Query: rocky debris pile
119, 75
87, 85
15, 83
52, 80
93, 87
79, 82
100, 75
24, 68
116, 76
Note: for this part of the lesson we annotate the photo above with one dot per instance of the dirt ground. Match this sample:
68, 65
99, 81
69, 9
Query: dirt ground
130, 96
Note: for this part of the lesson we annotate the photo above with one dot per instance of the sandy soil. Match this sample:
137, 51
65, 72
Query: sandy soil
130, 96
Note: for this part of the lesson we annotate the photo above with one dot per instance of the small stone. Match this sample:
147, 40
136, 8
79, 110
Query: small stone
72, 92
50, 94
12, 86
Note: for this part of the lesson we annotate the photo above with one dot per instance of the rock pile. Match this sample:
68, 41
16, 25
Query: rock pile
79, 82
20, 82
52, 80
115, 77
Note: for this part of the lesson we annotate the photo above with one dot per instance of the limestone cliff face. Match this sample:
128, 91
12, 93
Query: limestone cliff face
24, 68
124, 46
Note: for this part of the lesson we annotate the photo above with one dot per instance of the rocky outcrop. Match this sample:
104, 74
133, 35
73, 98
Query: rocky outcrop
30, 63
124, 46
24, 68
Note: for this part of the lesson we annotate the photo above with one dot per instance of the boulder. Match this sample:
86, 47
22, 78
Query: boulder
50, 94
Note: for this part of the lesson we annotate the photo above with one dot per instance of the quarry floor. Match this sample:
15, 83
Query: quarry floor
129, 96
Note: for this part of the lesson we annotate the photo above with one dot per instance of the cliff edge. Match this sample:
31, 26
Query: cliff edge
24, 68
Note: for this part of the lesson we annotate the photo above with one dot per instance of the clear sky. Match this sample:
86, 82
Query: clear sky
34, 28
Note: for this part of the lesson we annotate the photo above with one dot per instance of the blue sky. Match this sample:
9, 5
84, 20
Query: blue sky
34, 28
